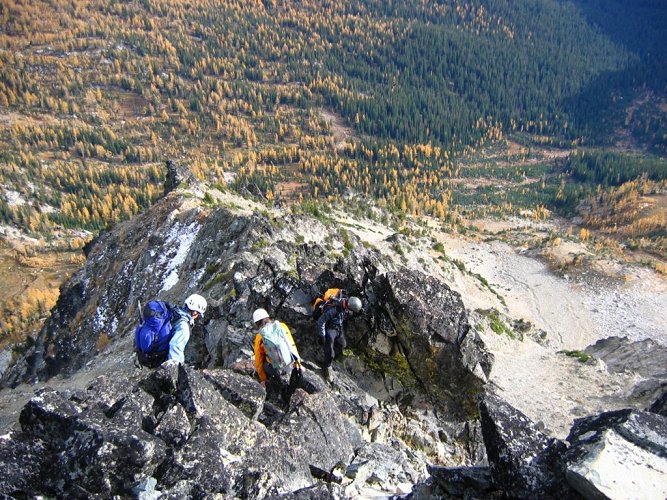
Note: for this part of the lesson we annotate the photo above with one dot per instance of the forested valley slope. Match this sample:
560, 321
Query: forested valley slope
464, 111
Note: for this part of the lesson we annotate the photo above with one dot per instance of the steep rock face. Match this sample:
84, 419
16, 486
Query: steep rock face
522, 461
413, 328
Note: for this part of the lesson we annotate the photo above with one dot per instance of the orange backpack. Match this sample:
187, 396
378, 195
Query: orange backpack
332, 297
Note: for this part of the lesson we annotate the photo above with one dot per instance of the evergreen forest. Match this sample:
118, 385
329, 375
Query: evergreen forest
451, 109
454, 109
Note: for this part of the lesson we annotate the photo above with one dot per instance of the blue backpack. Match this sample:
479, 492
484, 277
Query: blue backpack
152, 336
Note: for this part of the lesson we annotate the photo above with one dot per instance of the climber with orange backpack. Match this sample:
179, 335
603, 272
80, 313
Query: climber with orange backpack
276, 355
331, 310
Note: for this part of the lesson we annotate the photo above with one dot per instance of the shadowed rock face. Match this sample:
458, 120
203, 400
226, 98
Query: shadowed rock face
522, 459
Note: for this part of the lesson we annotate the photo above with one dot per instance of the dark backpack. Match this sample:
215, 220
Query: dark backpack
152, 336
331, 298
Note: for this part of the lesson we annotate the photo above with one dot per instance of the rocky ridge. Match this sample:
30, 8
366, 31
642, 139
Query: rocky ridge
405, 401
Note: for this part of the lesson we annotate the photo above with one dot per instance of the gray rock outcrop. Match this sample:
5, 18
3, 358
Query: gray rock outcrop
406, 393
176, 427
645, 358
523, 460
613, 455
621, 454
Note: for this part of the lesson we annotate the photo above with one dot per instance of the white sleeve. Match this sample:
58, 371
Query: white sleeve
178, 341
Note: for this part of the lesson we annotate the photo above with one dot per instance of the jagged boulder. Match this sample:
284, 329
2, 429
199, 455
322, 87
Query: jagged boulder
229, 454
243, 392
25, 461
620, 454
377, 464
102, 457
315, 430
95, 453
458, 482
645, 357
523, 460
49, 416
173, 426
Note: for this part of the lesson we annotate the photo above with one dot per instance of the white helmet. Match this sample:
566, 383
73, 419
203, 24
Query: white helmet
259, 315
354, 303
197, 303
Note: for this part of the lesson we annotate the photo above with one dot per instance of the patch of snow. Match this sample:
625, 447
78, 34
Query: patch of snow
100, 318
182, 237
114, 326
197, 276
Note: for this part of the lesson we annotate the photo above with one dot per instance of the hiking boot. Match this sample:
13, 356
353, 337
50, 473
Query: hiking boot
326, 374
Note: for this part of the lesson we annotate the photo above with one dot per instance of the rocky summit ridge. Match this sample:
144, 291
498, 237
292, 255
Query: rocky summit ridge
408, 413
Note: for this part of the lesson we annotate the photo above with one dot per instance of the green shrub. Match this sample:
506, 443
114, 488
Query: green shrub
580, 355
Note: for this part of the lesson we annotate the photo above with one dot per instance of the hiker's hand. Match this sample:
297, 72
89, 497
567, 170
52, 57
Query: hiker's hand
263, 383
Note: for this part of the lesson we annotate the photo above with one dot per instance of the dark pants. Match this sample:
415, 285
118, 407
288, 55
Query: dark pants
276, 385
152, 359
334, 343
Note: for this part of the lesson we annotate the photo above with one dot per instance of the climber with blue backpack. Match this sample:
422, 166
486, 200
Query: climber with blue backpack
276, 355
164, 330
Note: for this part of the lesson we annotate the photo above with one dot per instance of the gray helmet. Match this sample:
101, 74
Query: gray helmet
354, 304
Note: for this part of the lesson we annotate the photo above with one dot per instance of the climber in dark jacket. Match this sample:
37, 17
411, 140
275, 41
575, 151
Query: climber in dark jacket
331, 326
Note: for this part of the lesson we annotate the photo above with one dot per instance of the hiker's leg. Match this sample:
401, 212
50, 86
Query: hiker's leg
339, 344
273, 383
329, 354
295, 379
270, 371
286, 391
